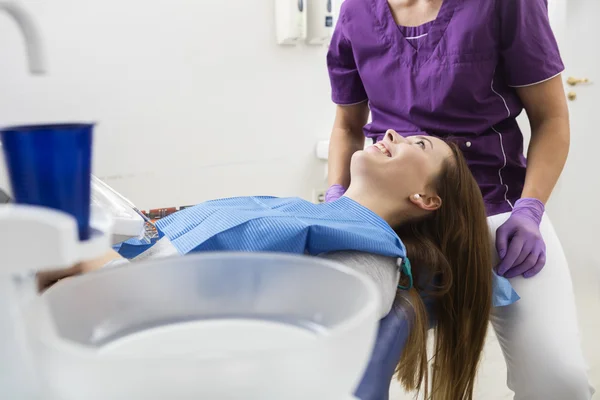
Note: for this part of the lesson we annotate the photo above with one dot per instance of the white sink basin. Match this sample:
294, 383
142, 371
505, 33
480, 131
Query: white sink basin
210, 326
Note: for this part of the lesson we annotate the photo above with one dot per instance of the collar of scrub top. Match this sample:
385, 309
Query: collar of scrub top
405, 268
406, 51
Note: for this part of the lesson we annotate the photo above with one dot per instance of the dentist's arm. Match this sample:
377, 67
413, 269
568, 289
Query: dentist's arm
519, 241
352, 113
548, 115
346, 138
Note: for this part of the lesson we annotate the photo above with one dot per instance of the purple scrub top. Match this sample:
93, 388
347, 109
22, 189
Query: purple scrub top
452, 77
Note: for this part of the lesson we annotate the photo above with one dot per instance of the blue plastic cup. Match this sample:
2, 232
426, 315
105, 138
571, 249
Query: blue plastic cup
50, 166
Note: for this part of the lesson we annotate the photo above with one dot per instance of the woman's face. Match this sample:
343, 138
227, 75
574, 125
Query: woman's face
401, 166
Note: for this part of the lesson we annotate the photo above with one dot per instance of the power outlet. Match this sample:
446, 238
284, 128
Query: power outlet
318, 196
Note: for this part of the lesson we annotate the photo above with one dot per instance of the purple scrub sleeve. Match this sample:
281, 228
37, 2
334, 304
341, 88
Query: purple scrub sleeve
346, 85
529, 51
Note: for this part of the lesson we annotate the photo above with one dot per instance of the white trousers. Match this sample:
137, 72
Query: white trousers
539, 334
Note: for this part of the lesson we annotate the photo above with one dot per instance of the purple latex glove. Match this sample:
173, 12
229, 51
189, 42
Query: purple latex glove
391, 338
334, 192
519, 241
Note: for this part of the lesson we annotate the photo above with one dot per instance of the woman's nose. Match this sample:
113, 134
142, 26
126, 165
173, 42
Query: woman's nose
393, 136
390, 135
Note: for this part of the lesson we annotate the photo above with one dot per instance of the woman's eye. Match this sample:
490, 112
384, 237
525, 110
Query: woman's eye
422, 144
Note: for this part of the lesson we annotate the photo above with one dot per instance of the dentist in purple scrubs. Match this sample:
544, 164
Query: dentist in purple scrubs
466, 69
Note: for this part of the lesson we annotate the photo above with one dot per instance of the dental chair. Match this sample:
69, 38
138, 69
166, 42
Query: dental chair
197, 327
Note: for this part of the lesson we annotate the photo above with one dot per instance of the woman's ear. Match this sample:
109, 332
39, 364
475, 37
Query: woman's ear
426, 202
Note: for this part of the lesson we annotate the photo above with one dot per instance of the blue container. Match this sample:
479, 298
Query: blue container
50, 166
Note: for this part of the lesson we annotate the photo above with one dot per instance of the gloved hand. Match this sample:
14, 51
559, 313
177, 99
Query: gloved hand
391, 338
519, 241
334, 192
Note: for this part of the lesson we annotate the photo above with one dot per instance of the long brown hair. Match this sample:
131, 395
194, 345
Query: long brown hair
450, 253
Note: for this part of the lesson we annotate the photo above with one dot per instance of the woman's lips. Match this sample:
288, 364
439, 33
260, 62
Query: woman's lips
382, 148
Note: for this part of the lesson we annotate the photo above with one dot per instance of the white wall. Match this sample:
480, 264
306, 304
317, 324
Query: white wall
189, 108
193, 98
573, 206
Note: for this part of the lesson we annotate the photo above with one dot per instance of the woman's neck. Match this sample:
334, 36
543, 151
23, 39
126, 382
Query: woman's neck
390, 213
414, 12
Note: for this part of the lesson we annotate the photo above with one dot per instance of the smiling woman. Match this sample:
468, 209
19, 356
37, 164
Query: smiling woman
410, 199
411, 167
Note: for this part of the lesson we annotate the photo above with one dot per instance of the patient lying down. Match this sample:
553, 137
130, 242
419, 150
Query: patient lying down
418, 189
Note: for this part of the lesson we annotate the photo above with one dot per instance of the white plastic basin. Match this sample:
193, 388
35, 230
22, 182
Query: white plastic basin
209, 326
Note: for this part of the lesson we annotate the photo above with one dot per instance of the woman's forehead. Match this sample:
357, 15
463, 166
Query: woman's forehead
439, 146
438, 142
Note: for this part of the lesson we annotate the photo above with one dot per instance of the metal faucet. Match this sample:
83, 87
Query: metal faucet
33, 39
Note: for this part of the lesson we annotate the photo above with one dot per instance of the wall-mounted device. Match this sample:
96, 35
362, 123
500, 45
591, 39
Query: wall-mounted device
291, 21
320, 21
